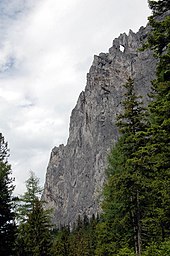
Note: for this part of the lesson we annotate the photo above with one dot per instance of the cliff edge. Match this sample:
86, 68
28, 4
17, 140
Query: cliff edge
76, 172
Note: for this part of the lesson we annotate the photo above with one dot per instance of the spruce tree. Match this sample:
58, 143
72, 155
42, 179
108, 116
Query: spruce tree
159, 7
81, 240
124, 191
156, 152
38, 231
136, 196
34, 231
61, 243
27, 200
7, 223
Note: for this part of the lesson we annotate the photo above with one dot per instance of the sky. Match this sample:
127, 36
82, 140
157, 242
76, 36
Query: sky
46, 50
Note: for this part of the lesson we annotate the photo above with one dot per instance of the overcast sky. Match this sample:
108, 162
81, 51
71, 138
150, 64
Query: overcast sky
46, 49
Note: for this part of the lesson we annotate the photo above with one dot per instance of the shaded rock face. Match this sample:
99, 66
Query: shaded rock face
76, 172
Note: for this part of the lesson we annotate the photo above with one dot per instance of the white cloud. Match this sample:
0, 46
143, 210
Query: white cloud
46, 49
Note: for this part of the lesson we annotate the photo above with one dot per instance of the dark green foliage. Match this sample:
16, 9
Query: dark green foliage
158, 40
38, 224
82, 238
132, 118
159, 7
136, 195
80, 241
7, 224
26, 202
158, 249
125, 189
34, 232
61, 244
156, 152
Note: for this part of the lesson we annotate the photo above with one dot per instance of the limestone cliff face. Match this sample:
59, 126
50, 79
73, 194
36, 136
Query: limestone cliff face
76, 172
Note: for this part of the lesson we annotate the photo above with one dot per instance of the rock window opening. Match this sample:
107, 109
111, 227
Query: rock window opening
122, 48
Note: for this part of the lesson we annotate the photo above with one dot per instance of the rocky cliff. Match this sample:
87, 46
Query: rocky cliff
76, 172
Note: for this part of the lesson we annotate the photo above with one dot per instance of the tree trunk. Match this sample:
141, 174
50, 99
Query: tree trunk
137, 226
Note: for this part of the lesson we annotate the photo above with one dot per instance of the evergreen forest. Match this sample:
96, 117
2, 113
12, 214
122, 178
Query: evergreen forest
135, 219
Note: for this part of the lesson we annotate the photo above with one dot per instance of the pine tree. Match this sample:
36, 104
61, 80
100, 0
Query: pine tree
7, 223
78, 242
159, 7
124, 191
136, 196
26, 202
34, 231
61, 243
38, 231
156, 152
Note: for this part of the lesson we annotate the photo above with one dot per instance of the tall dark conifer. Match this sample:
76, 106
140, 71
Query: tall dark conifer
159, 7
34, 231
136, 196
156, 152
38, 231
124, 191
7, 224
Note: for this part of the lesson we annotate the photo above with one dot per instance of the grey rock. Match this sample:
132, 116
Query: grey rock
76, 172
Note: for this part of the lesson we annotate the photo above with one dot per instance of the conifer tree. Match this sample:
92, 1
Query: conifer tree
7, 224
27, 200
124, 191
61, 243
81, 240
78, 239
38, 230
159, 7
156, 152
139, 164
34, 231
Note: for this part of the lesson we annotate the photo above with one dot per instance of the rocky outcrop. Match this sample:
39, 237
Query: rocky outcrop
76, 172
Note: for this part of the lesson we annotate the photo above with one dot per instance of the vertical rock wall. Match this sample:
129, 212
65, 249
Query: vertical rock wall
75, 173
